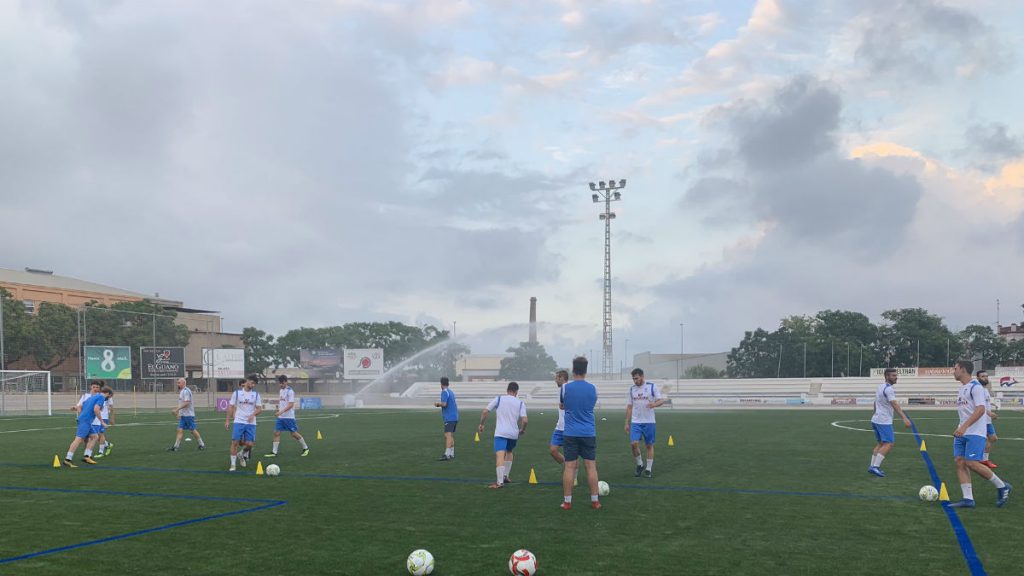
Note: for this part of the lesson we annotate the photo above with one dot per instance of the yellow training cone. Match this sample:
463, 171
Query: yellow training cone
923, 447
319, 436
533, 476
259, 468
476, 437
671, 442
56, 461
943, 495
574, 482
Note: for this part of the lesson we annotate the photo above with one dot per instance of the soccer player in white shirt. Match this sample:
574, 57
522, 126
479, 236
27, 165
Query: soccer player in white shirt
990, 415
644, 397
243, 407
881, 421
969, 438
286, 418
106, 419
94, 388
186, 413
509, 426
558, 436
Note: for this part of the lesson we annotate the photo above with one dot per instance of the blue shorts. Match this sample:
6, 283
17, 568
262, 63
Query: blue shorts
98, 429
884, 433
969, 447
506, 444
187, 422
106, 421
557, 438
990, 429
84, 430
243, 432
286, 425
645, 431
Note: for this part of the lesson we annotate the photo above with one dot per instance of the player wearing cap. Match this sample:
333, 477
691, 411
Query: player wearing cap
286, 418
243, 407
510, 424
186, 413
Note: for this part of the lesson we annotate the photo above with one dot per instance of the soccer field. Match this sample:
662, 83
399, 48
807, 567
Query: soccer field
741, 492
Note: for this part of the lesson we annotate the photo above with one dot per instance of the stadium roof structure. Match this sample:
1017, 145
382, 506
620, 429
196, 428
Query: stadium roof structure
46, 278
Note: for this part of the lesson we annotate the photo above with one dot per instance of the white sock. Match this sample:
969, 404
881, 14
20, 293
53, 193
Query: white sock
104, 447
873, 458
568, 499
88, 453
177, 443
878, 460
501, 475
276, 444
639, 460
451, 451
649, 464
985, 457
997, 482
70, 456
201, 443
302, 442
968, 491
508, 469
593, 497
234, 460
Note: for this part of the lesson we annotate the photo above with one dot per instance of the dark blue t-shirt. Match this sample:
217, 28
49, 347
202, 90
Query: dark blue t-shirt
579, 398
449, 413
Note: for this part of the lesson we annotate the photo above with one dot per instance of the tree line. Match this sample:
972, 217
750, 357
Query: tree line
845, 343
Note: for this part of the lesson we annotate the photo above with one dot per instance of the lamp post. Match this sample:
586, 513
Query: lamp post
607, 192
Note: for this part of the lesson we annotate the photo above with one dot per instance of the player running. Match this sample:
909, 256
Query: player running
509, 426
644, 397
186, 413
990, 415
450, 417
969, 438
881, 421
286, 418
243, 407
106, 419
91, 409
94, 388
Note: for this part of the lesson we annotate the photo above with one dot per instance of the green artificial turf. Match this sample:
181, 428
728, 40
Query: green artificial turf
741, 492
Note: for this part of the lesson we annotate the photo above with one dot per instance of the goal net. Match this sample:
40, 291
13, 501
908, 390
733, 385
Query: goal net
25, 392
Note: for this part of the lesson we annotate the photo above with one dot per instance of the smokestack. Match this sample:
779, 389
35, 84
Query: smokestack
533, 319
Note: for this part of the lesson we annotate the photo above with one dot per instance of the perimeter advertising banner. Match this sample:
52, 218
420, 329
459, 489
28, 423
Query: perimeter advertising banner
108, 362
223, 363
364, 363
167, 362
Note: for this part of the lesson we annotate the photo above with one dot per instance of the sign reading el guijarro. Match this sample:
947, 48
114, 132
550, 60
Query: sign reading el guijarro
162, 362
108, 362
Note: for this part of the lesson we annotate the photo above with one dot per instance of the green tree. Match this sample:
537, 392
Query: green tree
132, 324
53, 335
702, 372
17, 328
912, 329
981, 342
399, 341
529, 361
260, 351
756, 356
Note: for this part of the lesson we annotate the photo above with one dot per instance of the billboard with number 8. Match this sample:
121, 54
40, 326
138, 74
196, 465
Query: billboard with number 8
108, 362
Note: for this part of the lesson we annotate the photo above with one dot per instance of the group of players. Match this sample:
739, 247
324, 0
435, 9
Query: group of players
95, 411
575, 432
972, 439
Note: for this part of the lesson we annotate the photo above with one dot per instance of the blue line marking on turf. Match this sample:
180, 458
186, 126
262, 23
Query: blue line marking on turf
265, 504
970, 556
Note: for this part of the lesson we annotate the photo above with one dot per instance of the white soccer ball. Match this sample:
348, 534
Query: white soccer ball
420, 562
273, 470
522, 563
928, 493
603, 488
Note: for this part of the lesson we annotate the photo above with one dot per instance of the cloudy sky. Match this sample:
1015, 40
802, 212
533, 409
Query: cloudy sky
314, 163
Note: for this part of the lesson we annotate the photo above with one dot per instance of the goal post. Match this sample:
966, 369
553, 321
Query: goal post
25, 392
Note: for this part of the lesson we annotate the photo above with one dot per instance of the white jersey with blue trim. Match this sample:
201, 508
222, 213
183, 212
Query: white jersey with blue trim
186, 396
639, 398
883, 404
507, 411
970, 396
286, 397
988, 406
245, 403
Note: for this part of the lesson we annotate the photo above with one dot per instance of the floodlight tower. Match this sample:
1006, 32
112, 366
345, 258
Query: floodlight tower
607, 192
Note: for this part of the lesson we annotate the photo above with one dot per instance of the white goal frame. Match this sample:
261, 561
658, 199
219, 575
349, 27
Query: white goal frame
7, 399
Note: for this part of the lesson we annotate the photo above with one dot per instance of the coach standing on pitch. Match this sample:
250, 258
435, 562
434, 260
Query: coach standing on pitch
578, 399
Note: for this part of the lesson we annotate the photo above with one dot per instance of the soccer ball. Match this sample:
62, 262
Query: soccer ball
522, 563
420, 562
602, 488
928, 493
273, 470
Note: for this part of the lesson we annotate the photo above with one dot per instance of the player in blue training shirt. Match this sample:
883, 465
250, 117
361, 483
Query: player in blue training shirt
450, 416
92, 408
969, 438
578, 399
285, 421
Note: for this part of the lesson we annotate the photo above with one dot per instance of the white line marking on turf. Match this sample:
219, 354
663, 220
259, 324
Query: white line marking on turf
839, 424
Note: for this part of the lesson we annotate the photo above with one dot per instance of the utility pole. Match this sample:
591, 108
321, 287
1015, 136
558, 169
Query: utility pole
607, 192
